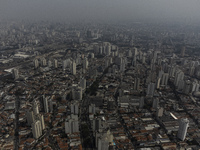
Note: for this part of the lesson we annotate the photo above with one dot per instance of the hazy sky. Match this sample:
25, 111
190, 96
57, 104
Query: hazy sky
102, 10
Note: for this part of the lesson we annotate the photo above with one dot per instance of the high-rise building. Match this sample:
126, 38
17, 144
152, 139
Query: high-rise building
51, 105
143, 59
92, 55
183, 126
191, 71
49, 64
137, 84
161, 72
178, 77
187, 87
83, 83
140, 55
35, 108
100, 50
122, 64
195, 86
135, 52
77, 93
96, 124
15, 74
164, 79
183, 51
155, 55
181, 85
131, 42
103, 144
41, 118
129, 53
155, 103
64, 65
134, 61
96, 49
103, 139
85, 64
110, 60
159, 112
158, 83
43, 62
36, 129
71, 126
75, 108
55, 63
30, 117
172, 71
141, 103
36, 63
111, 104
151, 89
107, 63
45, 104
89, 34
108, 50
92, 108
73, 68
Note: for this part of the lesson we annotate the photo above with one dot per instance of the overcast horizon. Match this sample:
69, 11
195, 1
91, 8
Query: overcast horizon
101, 10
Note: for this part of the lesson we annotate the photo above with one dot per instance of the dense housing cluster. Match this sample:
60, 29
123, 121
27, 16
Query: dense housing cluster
104, 87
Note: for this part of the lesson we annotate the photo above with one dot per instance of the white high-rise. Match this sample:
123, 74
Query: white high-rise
15, 73
64, 65
55, 63
43, 62
183, 126
195, 86
85, 64
159, 112
36, 63
36, 129
158, 83
41, 118
92, 55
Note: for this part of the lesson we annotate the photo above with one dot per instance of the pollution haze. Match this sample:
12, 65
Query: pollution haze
101, 10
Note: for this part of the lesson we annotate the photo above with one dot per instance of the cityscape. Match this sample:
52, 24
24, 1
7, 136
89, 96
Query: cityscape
99, 86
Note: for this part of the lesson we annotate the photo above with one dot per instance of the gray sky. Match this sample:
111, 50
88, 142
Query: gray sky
101, 10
